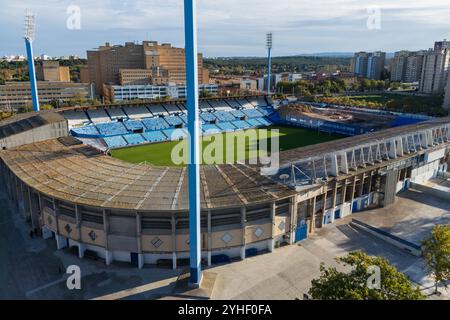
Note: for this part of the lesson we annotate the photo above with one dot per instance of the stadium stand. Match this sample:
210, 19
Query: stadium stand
158, 110
86, 130
238, 113
226, 126
172, 108
241, 124
98, 116
204, 106
154, 136
262, 102
76, 118
134, 139
174, 121
184, 118
137, 112
254, 122
224, 116
176, 134
210, 128
265, 122
234, 104
220, 105
115, 142
208, 116
116, 113
133, 125
111, 129
182, 107
252, 113
245, 104
153, 124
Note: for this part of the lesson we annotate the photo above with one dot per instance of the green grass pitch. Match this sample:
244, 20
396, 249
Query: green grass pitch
160, 154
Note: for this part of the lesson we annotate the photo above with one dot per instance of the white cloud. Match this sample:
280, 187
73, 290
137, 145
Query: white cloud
236, 26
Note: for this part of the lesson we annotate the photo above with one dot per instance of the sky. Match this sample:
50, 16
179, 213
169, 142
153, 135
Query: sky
229, 27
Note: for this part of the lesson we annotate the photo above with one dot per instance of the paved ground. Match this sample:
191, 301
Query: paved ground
30, 268
412, 217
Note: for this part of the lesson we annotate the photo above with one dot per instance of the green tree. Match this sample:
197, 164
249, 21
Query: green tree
436, 252
353, 285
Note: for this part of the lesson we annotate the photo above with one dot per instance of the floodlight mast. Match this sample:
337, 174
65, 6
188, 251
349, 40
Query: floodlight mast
30, 23
269, 49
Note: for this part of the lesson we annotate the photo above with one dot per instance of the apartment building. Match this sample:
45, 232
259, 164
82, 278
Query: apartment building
435, 69
148, 62
14, 95
369, 65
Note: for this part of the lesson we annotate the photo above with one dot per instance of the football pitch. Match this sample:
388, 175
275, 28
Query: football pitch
161, 154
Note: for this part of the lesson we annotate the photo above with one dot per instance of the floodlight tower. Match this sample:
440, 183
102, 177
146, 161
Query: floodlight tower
30, 22
190, 30
269, 49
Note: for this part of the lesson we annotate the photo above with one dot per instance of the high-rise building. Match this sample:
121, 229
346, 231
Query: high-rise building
375, 65
360, 64
148, 62
48, 70
446, 104
406, 66
435, 67
441, 45
369, 65
414, 65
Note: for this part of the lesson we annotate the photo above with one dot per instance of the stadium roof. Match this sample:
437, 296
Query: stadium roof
66, 170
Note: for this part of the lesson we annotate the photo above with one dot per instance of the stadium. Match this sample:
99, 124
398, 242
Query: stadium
89, 178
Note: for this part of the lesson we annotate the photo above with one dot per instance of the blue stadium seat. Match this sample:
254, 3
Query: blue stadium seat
224, 116
265, 122
210, 128
155, 136
89, 130
111, 128
115, 142
134, 139
133, 125
238, 113
174, 121
254, 123
176, 134
153, 124
241, 124
226, 126
252, 113
207, 116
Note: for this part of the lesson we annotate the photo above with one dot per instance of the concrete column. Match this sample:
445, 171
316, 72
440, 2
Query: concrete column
344, 162
353, 190
139, 240
392, 149
81, 250
334, 170
174, 241
108, 257
313, 214
56, 211
400, 147
209, 238
61, 242
361, 186
430, 141
293, 210
272, 219
333, 200
78, 220
344, 191
243, 226
324, 206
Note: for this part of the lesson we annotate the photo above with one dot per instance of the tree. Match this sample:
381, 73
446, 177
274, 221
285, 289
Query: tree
357, 283
436, 252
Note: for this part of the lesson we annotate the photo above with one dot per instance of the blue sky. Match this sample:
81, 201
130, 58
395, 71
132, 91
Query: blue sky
230, 27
